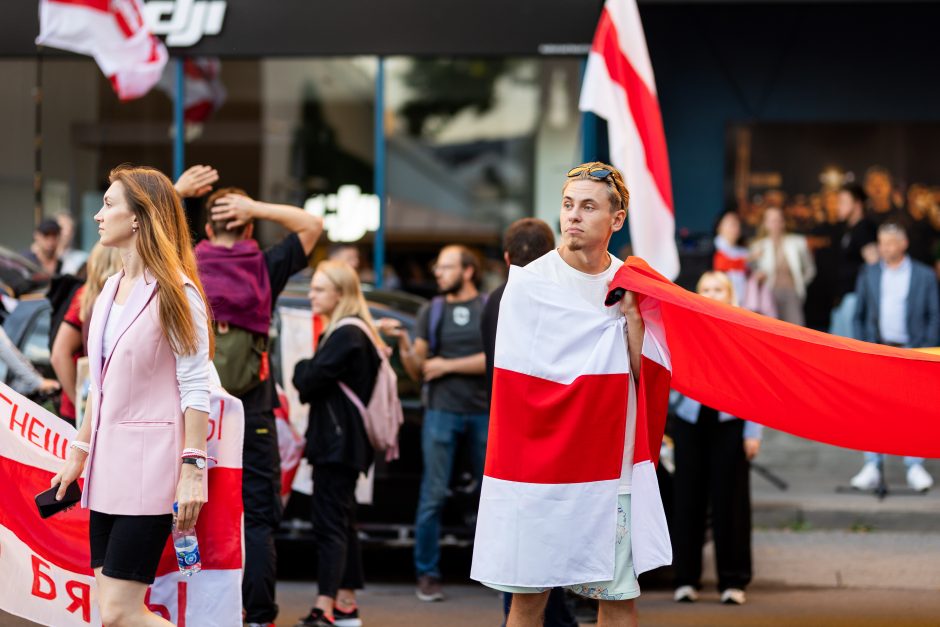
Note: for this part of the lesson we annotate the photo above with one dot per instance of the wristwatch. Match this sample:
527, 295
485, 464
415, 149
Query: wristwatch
198, 462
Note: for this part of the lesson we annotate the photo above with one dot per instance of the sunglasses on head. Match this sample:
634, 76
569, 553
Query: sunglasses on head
596, 172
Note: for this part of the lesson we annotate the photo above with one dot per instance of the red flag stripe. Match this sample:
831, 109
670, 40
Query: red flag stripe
62, 539
99, 5
643, 104
218, 525
547, 432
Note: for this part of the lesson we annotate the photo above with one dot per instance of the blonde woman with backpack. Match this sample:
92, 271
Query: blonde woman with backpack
338, 446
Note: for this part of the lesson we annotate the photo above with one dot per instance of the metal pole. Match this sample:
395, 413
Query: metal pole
179, 107
378, 257
37, 142
588, 130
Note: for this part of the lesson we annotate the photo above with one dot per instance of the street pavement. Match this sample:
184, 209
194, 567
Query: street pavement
821, 557
803, 578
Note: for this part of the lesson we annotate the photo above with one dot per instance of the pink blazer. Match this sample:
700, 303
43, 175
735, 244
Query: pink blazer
137, 425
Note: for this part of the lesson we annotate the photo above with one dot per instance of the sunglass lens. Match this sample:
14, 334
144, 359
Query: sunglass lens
600, 174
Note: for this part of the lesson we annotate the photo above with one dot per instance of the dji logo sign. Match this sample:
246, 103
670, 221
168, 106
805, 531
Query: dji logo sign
184, 22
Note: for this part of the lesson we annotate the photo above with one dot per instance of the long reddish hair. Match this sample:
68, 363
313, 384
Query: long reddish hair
165, 245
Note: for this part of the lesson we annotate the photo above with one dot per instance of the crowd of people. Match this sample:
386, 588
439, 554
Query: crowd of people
856, 261
864, 261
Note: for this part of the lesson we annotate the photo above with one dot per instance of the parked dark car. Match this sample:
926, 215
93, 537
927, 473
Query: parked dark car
389, 520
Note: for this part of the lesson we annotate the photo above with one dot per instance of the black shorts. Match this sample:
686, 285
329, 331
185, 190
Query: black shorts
128, 547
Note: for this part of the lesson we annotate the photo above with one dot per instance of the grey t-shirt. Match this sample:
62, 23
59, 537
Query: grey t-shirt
459, 336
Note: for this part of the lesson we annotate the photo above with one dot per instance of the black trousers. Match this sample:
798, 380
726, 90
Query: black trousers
339, 559
712, 470
261, 487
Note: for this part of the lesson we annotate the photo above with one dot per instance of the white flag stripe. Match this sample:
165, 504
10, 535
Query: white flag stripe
545, 332
564, 531
626, 17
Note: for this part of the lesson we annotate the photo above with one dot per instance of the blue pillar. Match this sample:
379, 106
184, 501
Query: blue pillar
378, 257
179, 106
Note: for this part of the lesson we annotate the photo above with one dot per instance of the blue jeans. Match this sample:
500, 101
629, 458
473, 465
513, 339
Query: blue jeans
872, 458
439, 436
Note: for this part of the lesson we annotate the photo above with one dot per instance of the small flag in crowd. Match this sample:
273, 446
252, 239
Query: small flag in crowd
562, 396
203, 88
619, 87
111, 31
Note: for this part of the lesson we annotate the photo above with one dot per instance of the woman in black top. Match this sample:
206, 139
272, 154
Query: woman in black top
337, 445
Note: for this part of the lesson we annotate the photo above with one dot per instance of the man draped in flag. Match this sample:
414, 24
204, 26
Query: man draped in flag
569, 494
619, 87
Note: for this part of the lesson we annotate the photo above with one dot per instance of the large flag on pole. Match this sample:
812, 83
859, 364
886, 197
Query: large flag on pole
111, 31
619, 87
45, 574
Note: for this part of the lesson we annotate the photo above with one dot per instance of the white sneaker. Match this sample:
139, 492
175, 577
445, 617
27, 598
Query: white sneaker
733, 596
867, 478
918, 478
685, 594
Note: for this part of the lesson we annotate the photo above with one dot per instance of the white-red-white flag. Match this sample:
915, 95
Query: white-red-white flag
111, 31
563, 396
619, 87
45, 564
203, 90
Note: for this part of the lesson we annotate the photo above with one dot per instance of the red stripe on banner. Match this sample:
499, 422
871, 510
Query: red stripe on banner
547, 432
652, 408
61, 539
643, 104
218, 527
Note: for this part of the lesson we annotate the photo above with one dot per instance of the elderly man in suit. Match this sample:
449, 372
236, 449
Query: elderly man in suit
898, 305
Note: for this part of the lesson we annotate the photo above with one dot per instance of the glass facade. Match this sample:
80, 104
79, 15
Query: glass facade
471, 144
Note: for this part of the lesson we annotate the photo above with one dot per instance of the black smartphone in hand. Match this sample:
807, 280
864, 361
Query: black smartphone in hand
47, 504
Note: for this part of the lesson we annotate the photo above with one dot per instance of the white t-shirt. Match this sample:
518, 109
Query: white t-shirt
593, 289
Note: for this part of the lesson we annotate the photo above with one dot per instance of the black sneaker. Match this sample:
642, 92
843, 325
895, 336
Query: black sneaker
315, 618
346, 619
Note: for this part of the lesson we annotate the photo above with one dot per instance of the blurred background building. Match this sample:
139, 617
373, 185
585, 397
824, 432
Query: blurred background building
480, 107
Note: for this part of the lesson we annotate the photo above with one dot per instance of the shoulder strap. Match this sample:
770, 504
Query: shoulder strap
435, 317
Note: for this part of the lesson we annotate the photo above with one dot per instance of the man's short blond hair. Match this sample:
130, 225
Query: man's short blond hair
616, 188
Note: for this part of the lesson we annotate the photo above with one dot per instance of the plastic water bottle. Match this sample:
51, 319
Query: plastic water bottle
187, 547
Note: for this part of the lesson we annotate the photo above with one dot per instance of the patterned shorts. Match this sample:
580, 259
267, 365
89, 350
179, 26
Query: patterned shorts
622, 587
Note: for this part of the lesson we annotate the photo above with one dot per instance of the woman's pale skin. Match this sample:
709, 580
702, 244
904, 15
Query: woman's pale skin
716, 289
324, 297
120, 599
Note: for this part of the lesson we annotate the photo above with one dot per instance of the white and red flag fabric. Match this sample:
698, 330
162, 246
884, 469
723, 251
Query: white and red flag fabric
111, 31
203, 90
44, 564
558, 417
619, 87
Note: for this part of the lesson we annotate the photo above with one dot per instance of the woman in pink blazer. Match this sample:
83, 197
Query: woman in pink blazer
149, 347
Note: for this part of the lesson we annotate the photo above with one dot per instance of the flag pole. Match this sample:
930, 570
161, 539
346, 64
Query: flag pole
378, 256
588, 130
37, 141
179, 106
